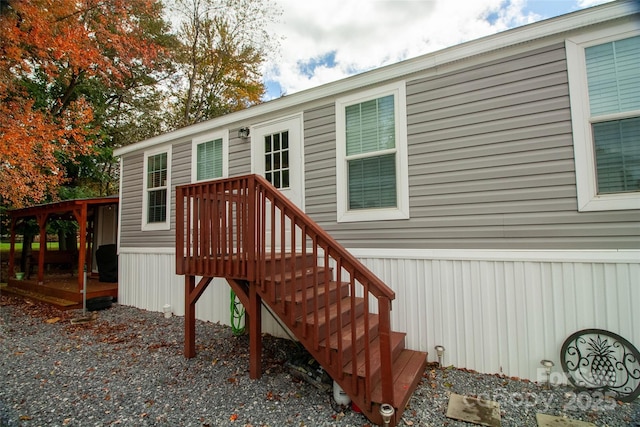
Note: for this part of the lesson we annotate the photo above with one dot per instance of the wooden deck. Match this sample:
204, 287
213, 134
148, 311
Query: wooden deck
60, 290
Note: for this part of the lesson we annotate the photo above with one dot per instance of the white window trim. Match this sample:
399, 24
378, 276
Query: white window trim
402, 162
224, 135
152, 226
588, 199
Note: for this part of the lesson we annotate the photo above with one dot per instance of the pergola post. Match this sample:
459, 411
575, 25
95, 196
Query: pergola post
81, 217
42, 224
12, 248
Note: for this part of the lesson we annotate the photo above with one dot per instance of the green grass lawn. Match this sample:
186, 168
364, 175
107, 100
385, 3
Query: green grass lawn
35, 246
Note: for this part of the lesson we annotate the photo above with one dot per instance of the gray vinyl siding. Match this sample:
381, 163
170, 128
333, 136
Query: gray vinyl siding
239, 155
131, 198
490, 165
320, 164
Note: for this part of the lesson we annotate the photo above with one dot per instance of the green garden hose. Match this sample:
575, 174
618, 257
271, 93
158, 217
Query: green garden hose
237, 315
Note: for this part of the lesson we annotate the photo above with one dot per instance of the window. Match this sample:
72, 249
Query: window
604, 85
157, 188
372, 175
276, 159
209, 157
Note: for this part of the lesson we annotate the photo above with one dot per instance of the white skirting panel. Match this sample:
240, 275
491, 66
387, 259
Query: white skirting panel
147, 280
504, 312
493, 311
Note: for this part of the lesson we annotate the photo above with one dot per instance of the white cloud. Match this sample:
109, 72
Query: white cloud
359, 35
588, 3
331, 39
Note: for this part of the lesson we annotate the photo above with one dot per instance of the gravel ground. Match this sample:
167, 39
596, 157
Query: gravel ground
126, 367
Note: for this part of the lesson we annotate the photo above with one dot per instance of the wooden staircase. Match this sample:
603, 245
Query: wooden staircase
270, 252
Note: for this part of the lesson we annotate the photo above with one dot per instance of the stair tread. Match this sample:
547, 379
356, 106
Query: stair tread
407, 373
346, 332
310, 292
345, 305
297, 274
397, 339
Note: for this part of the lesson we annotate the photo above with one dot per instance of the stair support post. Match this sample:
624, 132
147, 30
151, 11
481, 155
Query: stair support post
255, 332
386, 374
189, 317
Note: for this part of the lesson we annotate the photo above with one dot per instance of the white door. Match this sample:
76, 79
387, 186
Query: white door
278, 156
277, 148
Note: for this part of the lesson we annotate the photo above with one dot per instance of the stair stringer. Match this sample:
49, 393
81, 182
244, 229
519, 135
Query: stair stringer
355, 387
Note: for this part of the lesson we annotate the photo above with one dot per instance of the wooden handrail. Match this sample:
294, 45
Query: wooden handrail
244, 228
381, 288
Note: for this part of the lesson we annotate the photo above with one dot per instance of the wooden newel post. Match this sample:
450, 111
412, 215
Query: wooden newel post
385, 350
250, 244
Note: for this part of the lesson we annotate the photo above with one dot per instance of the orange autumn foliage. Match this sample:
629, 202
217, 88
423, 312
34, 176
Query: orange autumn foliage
48, 50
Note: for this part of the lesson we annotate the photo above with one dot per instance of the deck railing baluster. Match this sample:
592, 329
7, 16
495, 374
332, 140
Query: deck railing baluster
283, 257
327, 306
303, 254
354, 348
272, 266
293, 269
367, 348
179, 232
338, 262
316, 311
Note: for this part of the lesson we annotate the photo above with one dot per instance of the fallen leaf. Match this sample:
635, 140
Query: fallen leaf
25, 418
53, 320
233, 417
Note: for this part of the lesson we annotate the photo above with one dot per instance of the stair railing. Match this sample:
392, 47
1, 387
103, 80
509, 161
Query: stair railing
245, 228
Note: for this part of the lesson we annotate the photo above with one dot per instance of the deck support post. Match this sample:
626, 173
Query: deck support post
255, 332
189, 317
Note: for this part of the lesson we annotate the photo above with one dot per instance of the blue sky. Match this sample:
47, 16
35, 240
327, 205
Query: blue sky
326, 40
